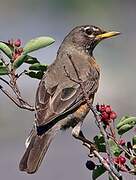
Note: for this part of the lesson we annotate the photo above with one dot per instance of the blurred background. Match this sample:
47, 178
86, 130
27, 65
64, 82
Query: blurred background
31, 18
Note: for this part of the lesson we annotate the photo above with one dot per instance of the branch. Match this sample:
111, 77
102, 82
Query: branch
100, 125
121, 147
96, 115
15, 101
5, 81
90, 145
21, 103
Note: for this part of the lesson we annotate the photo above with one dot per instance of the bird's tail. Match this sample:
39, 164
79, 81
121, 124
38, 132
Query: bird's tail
37, 146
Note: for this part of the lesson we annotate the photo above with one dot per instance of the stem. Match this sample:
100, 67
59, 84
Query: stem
15, 101
90, 146
5, 81
100, 125
121, 147
105, 164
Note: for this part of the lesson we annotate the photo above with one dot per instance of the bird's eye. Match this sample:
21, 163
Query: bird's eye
88, 31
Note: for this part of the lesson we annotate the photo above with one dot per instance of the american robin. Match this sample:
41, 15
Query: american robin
60, 101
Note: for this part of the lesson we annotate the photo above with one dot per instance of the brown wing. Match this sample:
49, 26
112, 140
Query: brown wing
53, 102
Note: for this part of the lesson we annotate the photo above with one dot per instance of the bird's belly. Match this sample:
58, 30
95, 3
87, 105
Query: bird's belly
73, 119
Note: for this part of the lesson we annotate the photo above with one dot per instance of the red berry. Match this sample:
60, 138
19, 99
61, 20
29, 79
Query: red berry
105, 118
104, 115
102, 108
116, 160
20, 50
15, 56
122, 160
134, 161
108, 109
113, 115
122, 142
17, 42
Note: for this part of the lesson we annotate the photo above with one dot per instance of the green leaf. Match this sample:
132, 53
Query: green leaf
38, 67
3, 70
19, 61
101, 147
9, 45
38, 43
31, 60
114, 148
39, 74
124, 117
31, 74
134, 140
36, 75
98, 172
100, 143
99, 139
110, 177
128, 120
1, 63
123, 129
4, 48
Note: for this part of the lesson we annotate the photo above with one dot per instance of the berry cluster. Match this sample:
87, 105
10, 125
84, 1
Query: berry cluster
120, 160
106, 113
122, 142
17, 49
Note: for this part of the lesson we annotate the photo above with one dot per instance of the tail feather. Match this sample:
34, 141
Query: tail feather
37, 147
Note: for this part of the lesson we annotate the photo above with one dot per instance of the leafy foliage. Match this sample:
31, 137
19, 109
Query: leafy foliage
3, 70
19, 55
5, 48
98, 172
100, 143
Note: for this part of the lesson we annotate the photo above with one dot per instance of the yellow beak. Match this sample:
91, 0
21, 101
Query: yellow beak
107, 35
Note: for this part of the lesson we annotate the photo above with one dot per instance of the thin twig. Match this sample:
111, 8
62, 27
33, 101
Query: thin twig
112, 131
121, 147
19, 97
13, 85
15, 101
18, 76
105, 164
5, 81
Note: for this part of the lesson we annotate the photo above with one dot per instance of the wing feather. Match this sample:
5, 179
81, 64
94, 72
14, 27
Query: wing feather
57, 95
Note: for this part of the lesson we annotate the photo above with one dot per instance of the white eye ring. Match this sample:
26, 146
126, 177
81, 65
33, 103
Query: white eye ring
95, 29
88, 27
90, 34
88, 31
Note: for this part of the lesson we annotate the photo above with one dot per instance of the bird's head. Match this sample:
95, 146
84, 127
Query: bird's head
88, 36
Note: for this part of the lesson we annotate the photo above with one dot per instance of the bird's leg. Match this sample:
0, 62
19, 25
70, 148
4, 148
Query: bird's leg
78, 134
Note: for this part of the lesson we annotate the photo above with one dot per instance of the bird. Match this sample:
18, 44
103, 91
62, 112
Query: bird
60, 101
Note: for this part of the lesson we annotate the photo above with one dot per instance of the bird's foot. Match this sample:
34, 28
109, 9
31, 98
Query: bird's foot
78, 134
